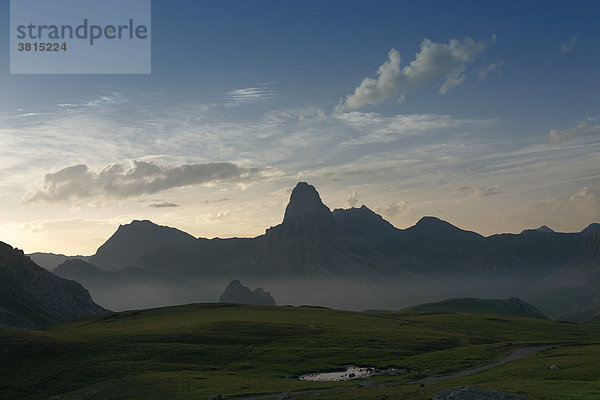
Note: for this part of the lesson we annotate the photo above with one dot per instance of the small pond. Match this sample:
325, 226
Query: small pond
350, 372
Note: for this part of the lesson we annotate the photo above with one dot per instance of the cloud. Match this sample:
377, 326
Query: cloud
375, 128
475, 193
582, 130
434, 61
164, 204
374, 91
352, 200
401, 209
584, 205
120, 181
493, 67
441, 60
566, 47
249, 94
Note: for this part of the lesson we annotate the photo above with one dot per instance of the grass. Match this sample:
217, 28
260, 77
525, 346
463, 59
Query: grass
196, 351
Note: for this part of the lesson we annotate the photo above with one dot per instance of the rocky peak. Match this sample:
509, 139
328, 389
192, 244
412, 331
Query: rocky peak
544, 229
237, 293
305, 202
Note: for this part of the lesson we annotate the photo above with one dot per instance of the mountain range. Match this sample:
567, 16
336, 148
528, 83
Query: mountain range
314, 243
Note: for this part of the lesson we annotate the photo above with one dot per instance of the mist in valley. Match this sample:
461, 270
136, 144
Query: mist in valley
355, 295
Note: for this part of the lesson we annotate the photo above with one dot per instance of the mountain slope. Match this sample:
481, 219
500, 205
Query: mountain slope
573, 292
129, 242
511, 306
51, 260
33, 298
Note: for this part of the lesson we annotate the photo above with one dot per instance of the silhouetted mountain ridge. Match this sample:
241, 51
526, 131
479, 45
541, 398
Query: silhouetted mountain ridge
33, 298
312, 241
315, 243
129, 242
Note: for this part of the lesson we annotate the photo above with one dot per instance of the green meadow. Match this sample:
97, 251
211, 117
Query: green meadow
202, 350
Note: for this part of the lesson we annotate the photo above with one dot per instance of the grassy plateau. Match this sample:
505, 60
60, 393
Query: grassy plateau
201, 350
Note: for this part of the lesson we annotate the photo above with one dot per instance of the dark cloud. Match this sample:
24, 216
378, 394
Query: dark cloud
120, 181
164, 204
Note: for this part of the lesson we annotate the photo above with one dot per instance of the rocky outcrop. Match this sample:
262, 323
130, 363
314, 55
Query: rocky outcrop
237, 293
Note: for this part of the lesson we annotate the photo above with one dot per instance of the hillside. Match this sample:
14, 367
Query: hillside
511, 306
573, 292
202, 350
33, 298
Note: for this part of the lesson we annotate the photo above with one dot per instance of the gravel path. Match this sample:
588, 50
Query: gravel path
515, 355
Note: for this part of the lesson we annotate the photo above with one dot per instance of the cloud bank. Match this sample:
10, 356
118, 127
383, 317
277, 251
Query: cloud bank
434, 61
119, 181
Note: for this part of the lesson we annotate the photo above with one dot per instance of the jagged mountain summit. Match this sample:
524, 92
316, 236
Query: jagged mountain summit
305, 204
129, 242
237, 293
33, 298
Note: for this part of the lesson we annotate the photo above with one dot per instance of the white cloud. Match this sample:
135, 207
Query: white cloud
442, 60
455, 79
582, 130
249, 94
434, 61
119, 181
583, 205
352, 200
493, 67
400, 209
375, 128
374, 91
566, 47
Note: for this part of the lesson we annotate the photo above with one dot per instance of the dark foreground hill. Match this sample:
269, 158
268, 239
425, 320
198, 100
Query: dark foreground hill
511, 306
209, 350
33, 298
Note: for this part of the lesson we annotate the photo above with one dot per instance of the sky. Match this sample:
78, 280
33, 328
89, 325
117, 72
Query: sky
485, 114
